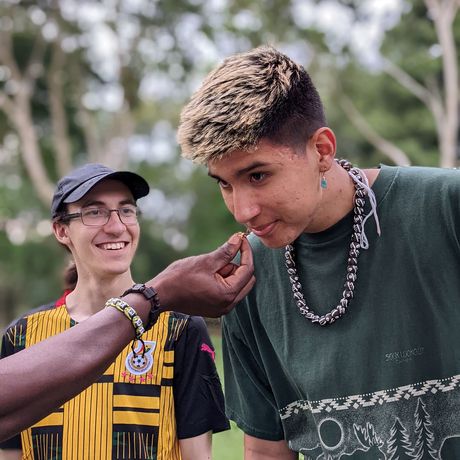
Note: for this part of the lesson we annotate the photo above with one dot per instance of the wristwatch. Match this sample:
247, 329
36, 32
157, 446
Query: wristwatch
152, 296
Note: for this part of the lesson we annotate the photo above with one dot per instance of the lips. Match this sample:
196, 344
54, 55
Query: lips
263, 230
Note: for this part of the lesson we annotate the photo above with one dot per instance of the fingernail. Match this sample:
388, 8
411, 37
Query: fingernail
235, 238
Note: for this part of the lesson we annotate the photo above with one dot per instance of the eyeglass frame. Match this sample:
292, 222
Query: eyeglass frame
75, 215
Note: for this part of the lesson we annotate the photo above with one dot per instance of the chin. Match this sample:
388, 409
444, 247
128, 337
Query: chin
275, 242
116, 269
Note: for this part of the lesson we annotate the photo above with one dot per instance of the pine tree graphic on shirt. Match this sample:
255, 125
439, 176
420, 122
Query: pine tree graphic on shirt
399, 446
424, 444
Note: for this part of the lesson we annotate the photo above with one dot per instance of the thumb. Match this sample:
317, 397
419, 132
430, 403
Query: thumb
227, 252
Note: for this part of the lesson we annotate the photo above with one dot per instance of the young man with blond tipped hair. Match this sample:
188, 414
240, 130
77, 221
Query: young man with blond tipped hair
321, 358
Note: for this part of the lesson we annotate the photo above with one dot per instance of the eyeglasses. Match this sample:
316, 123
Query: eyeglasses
97, 217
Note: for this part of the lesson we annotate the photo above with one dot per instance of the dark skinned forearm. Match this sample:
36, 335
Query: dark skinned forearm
41, 378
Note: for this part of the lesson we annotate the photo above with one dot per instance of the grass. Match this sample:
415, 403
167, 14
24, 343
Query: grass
227, 445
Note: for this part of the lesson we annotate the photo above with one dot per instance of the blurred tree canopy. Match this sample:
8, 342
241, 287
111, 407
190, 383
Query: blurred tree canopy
105, 81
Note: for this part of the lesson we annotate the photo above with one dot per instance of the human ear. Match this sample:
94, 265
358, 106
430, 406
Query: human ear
325, 146
61, 233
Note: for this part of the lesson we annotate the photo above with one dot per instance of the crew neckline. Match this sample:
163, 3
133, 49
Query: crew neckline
343, 227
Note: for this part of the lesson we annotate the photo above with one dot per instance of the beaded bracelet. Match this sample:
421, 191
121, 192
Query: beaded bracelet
129, 312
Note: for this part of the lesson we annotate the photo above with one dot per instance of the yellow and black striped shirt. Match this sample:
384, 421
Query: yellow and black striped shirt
142, 404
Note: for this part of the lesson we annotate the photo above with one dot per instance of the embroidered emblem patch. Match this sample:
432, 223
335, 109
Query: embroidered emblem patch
140, 360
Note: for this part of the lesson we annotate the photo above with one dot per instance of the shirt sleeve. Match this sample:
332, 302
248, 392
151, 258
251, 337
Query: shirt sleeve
249, 397
198, 396
7, 349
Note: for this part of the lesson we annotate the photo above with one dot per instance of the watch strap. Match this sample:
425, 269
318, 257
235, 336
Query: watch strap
151, 295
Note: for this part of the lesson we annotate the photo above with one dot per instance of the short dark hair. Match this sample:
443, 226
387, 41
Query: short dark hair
258, 94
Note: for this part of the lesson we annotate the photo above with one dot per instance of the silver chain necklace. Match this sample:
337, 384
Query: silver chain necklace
352, 263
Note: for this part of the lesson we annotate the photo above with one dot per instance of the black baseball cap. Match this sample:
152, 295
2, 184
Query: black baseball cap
80, 181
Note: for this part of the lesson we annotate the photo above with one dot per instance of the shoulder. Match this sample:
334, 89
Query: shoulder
14, 336
438, 186
190, 325
421, 176
418, 184
33, 312
196, 323
419, 198
197, 329
194, 339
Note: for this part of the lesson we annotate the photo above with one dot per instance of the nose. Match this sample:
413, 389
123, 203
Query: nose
244, 206
114, 224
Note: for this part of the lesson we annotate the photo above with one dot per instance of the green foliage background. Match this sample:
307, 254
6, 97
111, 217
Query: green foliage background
178, 43
168, 50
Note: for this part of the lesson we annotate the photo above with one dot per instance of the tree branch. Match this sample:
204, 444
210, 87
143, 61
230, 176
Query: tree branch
6, 55
405, 80
396, 155
123, 127
443, 13
431, 100
6, 105
30, 151
59, 123
89, 129
18, 109
34, 68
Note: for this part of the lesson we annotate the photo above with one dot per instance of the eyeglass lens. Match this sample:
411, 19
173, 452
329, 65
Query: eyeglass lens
100, 216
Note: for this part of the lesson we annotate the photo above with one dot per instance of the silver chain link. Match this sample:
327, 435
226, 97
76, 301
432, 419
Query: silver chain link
352, 263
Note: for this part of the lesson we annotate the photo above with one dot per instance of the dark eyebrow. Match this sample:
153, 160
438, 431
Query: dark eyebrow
243, 171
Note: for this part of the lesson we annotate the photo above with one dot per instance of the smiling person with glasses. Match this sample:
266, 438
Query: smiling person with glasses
161, 397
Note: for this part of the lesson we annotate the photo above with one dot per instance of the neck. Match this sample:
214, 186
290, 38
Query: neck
90, 294
337, 199
358, 241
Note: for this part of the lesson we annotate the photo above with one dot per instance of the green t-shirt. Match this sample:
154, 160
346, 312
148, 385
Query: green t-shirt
383, 380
